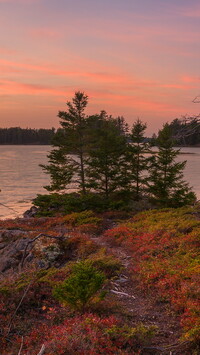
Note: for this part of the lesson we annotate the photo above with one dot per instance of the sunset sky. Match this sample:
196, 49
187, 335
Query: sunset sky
136, 58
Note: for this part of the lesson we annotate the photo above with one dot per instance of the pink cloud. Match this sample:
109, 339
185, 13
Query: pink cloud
131, 101
14, 88
178, 86
190, 79
19, 1
49, 33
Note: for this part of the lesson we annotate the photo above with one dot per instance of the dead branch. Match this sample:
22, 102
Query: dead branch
21, 346
121, 293
188, 126
196, 100
41, 352
18, 306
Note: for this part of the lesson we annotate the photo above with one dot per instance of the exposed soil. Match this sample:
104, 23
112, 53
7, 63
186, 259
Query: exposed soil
141, 308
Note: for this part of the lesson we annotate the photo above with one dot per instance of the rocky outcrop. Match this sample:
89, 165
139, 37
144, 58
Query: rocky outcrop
11, 253
19, 249
31, 212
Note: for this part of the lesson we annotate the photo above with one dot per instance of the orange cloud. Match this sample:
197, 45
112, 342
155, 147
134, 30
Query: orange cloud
14, 88
132, 101
190, 79
125, 82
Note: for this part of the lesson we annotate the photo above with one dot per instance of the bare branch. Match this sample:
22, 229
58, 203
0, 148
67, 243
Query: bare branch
41, 352
19, 304
196, 100
188, 126
21, 346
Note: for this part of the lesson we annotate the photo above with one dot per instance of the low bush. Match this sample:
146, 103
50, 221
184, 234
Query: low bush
55, 204
81, 218
52, 204
89, 334
81, 286
108, 264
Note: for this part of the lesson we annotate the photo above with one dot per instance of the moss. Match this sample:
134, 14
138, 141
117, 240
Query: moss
6, 290
108, 264
139, 335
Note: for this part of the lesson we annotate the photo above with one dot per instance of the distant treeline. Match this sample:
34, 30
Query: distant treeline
186, 130
17, 135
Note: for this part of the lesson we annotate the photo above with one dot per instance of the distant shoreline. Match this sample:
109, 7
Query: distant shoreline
176, 146
25, 144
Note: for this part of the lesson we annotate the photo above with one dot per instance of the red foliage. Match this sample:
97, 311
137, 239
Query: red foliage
88, 334
165, 260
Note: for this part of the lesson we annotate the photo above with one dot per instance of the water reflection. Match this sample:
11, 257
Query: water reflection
21, 178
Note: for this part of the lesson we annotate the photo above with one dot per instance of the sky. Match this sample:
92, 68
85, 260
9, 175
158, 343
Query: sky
137, 59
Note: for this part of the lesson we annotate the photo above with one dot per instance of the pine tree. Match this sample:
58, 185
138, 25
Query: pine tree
106, 157
166, 185
65, 168
137, 159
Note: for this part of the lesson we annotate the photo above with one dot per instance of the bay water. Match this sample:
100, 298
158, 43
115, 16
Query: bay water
21, 177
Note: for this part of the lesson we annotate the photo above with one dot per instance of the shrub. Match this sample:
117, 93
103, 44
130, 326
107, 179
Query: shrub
89, 334
137, 336
81, 218
83, 284
108, 264
55, 203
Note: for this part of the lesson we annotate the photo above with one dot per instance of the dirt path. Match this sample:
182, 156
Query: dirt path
140, 308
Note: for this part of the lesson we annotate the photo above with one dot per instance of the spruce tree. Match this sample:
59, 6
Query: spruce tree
106, 157
137, 159
165, 184
67, 161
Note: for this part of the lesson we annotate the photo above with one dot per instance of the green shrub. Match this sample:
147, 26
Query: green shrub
108, 264
52, 204
80, 218
139, 336
81, 287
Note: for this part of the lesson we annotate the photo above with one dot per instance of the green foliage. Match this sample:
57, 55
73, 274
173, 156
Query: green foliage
52, 204
61, 169
72, 138
17, 135
139, 335
85, 217
165, 183
106, 157
107, 264
186, 130
81, 287
109, 167
137, 159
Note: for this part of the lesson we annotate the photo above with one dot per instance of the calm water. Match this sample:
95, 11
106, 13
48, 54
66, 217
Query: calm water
21, 178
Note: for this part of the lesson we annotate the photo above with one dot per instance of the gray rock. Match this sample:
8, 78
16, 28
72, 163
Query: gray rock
11, 255
7, 234
31, 212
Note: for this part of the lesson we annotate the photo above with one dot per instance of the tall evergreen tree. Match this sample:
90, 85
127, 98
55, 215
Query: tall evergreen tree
166, 185
106, 157
64, 167
137, 159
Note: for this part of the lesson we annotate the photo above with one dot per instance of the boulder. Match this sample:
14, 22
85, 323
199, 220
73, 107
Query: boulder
11, 254
31, 212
